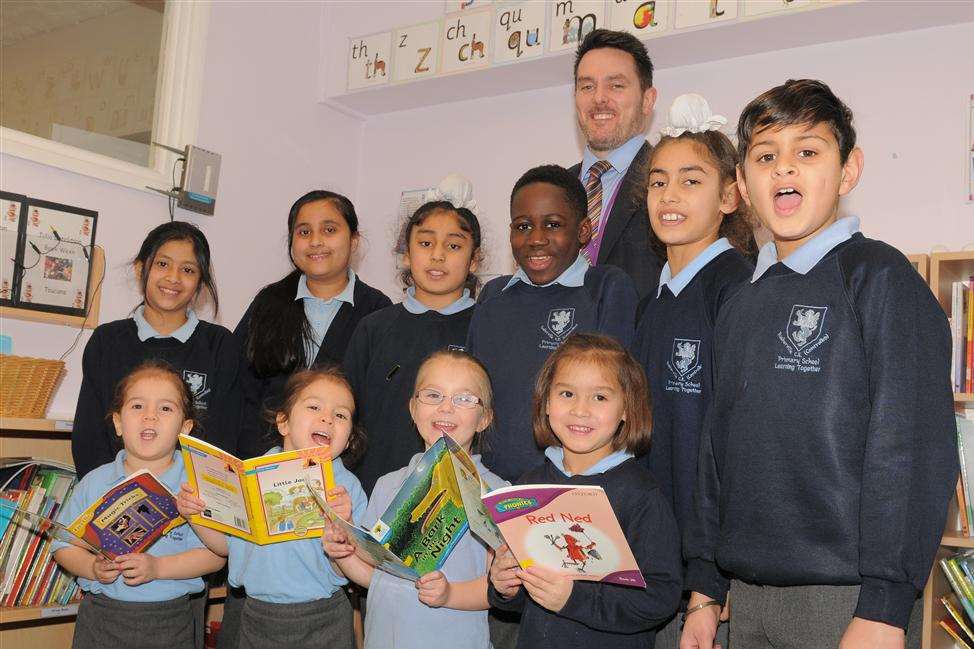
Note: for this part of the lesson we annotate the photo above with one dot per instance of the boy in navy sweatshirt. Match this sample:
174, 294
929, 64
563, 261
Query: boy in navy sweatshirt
520, 319
828, 456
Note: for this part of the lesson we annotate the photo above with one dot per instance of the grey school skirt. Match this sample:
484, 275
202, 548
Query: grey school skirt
106, 623
321, 624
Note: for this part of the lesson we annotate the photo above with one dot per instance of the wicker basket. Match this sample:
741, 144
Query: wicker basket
26, 385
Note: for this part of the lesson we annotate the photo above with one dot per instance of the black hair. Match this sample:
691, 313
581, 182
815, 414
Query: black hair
607, 38
560, 178
178, 231
736, 226
278, 326
797, 101
468, 223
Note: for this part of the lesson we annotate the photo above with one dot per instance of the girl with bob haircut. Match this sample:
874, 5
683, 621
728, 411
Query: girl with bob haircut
592, 415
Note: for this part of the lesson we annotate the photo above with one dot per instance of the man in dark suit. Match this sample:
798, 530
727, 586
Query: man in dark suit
614, 97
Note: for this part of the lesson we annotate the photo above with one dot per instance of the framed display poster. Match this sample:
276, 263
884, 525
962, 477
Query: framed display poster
55, 263
11, 215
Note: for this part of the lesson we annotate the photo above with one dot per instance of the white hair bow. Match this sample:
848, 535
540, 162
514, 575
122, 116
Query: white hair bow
690, 113
456, 190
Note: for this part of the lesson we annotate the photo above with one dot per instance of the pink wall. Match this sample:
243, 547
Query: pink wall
909, 92
260, 112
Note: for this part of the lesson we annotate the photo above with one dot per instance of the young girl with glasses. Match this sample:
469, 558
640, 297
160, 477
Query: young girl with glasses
452, 395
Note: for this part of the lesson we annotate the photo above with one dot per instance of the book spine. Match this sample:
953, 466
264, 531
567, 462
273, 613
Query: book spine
969, 383
955, 578
965, 529
946, 626
956, 318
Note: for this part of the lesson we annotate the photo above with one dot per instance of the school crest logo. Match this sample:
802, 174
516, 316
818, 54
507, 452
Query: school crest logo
685, 358
560, 323
805, 324
197, 386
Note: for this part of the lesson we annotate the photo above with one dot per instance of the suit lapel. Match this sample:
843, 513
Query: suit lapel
626, 206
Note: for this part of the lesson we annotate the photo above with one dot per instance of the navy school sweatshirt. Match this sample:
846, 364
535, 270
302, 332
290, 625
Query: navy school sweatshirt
514, 330
828, 455
265, 392
597, 615
209, 361
673, 343
381, 362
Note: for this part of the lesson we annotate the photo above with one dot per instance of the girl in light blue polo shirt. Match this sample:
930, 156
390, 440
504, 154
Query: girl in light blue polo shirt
446, 607
294, 596
140, 600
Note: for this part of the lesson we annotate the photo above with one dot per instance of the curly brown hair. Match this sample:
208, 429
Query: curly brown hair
297, 382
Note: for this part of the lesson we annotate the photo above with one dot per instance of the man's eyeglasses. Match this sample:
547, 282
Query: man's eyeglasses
432, 397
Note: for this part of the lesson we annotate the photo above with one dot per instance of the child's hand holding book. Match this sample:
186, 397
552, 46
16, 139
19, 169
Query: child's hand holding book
503, 573
434, 589
335, 542
188, 503
105, 570
138, 569
547, 587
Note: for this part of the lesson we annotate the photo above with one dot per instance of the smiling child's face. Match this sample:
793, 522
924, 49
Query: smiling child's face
321, 415
545, 234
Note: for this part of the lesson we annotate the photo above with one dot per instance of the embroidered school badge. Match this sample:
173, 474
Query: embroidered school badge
685, 358
805, 324
559, 324
197, 387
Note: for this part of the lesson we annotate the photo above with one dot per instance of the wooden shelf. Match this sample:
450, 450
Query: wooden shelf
30, 613
40, 425
97, 275
954, 539
922, 263
963, 397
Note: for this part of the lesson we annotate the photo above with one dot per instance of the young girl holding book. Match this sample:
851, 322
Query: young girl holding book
293, 595
172, 269
592, 414
140, 600
452, 395
696, 211
440, 248
306, 318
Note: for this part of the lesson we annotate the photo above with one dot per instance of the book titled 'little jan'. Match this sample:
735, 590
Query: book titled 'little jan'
570, 529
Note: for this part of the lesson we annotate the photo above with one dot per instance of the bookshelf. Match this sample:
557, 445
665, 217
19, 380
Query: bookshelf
50, 626
944, 269
922, 263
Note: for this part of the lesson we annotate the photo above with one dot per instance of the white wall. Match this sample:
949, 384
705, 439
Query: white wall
909, 92
264, 79
260, 112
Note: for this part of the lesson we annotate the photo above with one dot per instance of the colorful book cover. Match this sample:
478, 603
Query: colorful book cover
130, 517
572, 530
958, 583
264, 499
969, 351
435, 505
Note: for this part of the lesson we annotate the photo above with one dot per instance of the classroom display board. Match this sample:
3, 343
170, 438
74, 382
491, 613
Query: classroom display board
46, 251
476, 34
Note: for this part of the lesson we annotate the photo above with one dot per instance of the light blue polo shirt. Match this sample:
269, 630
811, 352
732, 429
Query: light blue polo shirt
811, 252
321, 313
685, 276
291, 572
572, 277
414, 306
178, 540
396, 617
145, 331
557, 456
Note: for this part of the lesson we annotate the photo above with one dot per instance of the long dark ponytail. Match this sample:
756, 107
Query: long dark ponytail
278, 326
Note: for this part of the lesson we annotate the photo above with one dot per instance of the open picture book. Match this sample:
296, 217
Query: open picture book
264, 499
572, 530
126, 519
437, 502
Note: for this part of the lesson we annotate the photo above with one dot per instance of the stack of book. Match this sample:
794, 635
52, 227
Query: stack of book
960, 603
965, 487
962, 334
28, 574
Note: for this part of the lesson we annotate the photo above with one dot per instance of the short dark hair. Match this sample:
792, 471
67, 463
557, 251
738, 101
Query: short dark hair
560, 178
634, 433
607, 38
178, 231
467, 221
797, 101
